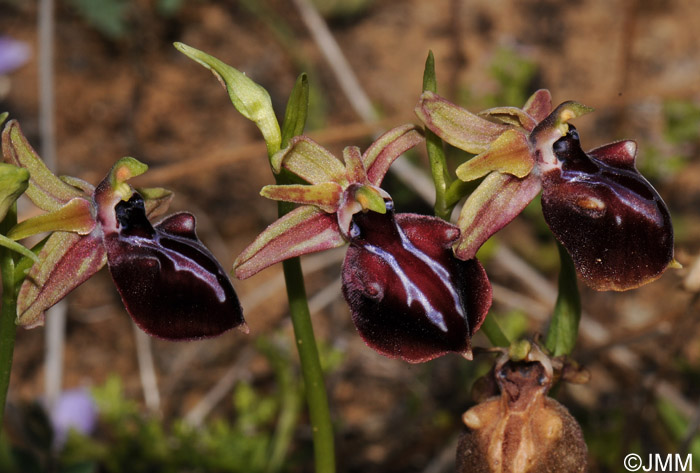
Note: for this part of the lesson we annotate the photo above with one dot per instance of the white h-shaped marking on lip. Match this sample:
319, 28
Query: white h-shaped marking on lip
412, 291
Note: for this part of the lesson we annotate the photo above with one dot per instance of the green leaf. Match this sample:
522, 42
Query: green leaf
563, 329
429, 78
13, 182
16, 247
109, 17
297, 110
249, 98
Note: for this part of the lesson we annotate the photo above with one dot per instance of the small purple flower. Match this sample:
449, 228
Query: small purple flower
13, 54
170, 283
74, 409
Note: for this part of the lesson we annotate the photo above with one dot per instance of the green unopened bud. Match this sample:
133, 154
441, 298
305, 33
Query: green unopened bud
249, 98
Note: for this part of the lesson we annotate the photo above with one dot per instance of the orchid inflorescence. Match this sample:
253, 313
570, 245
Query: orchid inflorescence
414, 286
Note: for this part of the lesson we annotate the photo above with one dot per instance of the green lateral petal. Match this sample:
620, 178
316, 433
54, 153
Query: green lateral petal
355, 170
17, 248
81, 185
310, 161
384, 151
47, 191
303, 230
509, 154
74, 217
510, 116
13, 182
325, 196
497, 201
65, 262
539, 105
250, 99
156, 200
456, 125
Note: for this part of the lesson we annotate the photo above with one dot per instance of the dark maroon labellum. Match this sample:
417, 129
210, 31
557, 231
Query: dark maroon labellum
409, 296
168, 280
612, 222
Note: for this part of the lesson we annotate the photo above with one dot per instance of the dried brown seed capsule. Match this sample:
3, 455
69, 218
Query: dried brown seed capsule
521, 430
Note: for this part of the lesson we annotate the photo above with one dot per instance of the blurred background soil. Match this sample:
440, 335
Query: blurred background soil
123, 90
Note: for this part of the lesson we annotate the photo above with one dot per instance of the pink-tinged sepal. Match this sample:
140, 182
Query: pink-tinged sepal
612, 222
457, 126
45, 190
495, 203
65, 262
304, 230
170, 283
539, 105
409, 296
384, 151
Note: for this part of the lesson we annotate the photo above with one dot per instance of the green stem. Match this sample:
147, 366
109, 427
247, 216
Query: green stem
315, 388
493, 332
436, 153
8, 313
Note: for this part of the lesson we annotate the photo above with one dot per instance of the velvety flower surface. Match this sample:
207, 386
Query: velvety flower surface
170, 283
609, 218
612, 222
408, 295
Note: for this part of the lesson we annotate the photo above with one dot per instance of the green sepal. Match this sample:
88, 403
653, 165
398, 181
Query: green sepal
249, 98
13, 182
563, 328
74, 217
3, 117
310, 161
47, 191
296, 111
